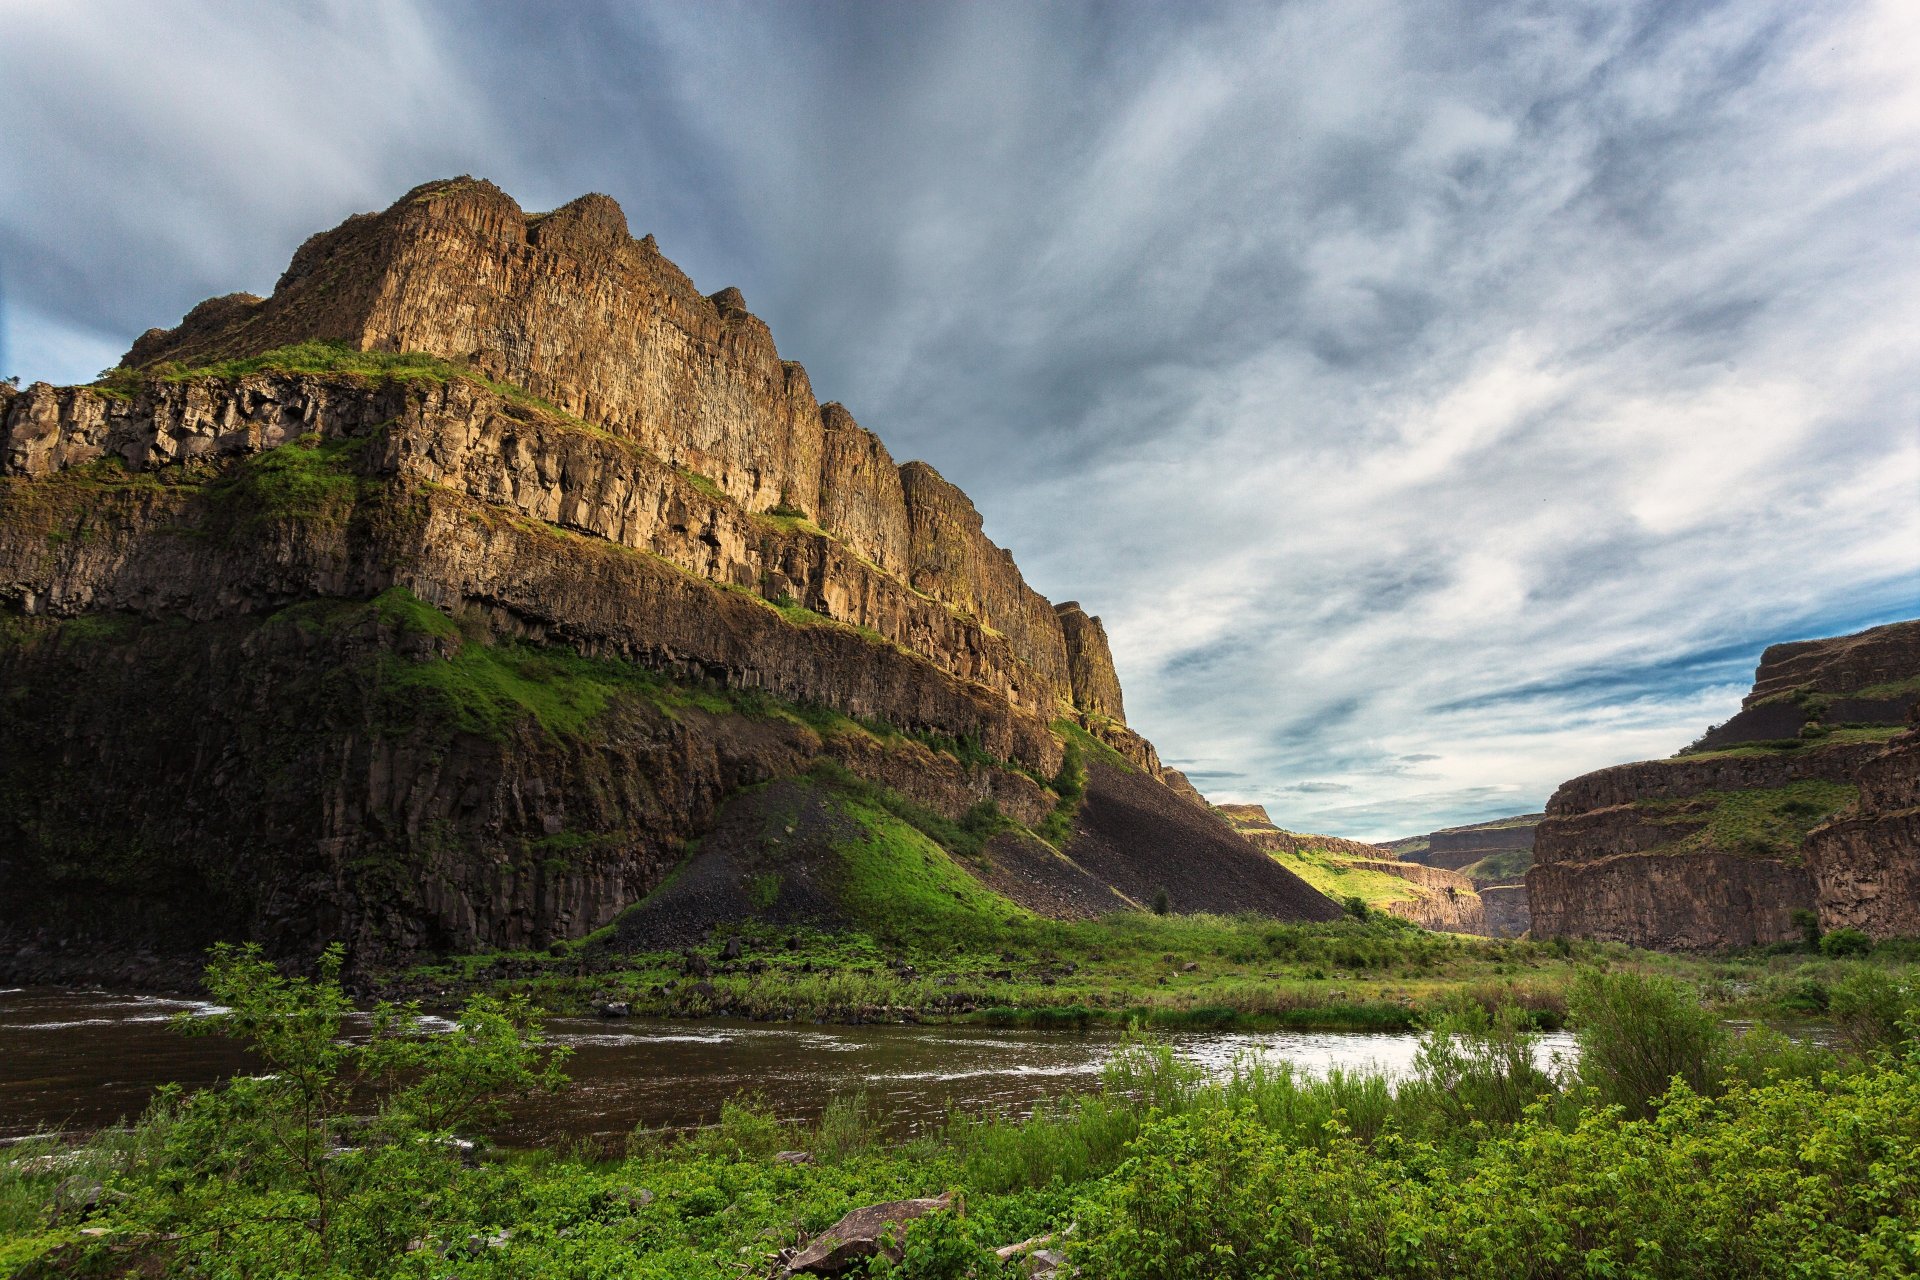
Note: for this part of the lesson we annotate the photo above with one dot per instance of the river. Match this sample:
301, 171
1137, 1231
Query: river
84, 1059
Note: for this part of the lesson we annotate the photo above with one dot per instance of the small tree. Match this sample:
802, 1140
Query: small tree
1808, 924
331, 1156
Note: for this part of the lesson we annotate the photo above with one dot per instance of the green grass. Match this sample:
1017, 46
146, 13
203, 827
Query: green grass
331, 359
1339, 879
1794, 746
705, 485
1767, 1160
1510, 864
904, 888
304, 479
1770, 822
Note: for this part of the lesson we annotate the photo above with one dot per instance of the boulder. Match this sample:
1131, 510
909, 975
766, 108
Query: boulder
860, 1235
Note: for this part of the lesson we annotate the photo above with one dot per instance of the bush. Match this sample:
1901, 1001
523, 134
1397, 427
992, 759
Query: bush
285, 1172
1479, 1066
1846, 942
1872, 1009
1637, 1034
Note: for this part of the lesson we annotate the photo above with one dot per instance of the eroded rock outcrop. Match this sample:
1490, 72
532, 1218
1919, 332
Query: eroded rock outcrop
1764, 817
587, 463
1865, 862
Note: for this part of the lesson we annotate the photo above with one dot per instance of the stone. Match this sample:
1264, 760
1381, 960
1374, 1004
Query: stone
860, 1235
732, 950
616, 1009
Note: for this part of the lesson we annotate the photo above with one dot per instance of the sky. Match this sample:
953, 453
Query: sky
1437, 400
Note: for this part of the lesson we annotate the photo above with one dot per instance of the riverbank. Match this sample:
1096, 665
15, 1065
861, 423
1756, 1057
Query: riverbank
1376, 973
1373, 974
1676, 1149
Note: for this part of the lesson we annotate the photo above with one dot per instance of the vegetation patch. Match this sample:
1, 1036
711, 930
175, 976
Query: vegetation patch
332, 359
1675, 1150
1821, 738
1339, 879
1509, 864
1765, 822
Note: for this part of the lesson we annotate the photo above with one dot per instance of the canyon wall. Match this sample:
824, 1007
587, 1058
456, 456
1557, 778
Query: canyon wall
1763, 818
1438, 898
454, 634
568, 306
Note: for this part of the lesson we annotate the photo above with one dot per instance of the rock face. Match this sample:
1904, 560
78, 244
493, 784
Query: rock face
1458, 848
1494, 856
410, 650
1801, 802
1865, 862
1440, 899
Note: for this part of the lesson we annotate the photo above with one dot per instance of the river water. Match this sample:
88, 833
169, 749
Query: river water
80, 1060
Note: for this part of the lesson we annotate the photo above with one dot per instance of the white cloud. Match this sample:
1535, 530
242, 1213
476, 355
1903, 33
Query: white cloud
1486, 383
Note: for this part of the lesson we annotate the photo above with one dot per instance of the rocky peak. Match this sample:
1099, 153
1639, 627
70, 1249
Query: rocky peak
569, 306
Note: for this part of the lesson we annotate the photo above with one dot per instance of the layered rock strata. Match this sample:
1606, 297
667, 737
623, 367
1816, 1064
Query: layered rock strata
1722, 845
570, 307
1865, 862
296, 655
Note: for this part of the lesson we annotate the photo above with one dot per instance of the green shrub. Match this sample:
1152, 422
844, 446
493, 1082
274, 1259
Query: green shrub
1476, 1065
1872, 1009
329, 1161
1846, 942
1637, 1034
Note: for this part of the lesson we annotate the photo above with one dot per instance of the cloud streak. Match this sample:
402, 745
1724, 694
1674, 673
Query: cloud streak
1436, 402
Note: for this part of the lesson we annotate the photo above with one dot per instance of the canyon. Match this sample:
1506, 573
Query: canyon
1432, 897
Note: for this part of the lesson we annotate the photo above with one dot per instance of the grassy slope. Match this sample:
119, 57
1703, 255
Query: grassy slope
1764, 822
1510, 865
1339, 879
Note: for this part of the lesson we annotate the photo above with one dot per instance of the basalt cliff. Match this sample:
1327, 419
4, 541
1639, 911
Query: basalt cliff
1808, 800
446, 598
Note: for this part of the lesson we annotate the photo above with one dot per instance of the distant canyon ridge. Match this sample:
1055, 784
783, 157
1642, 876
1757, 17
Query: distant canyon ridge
1803, 808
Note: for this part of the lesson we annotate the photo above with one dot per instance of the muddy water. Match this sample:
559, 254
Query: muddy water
84, 1059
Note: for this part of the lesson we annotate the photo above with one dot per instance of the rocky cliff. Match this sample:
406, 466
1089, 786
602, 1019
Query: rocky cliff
439, 600
1494, 856
1801, 802
1431, 897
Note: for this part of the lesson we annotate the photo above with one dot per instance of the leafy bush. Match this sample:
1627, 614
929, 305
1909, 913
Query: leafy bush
1846, 942
1873, 1009
1477, 1066
285, 1172
1791, 1178
1637, 1033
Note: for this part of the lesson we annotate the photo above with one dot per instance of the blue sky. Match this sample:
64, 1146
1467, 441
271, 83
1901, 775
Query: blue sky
1437, 400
